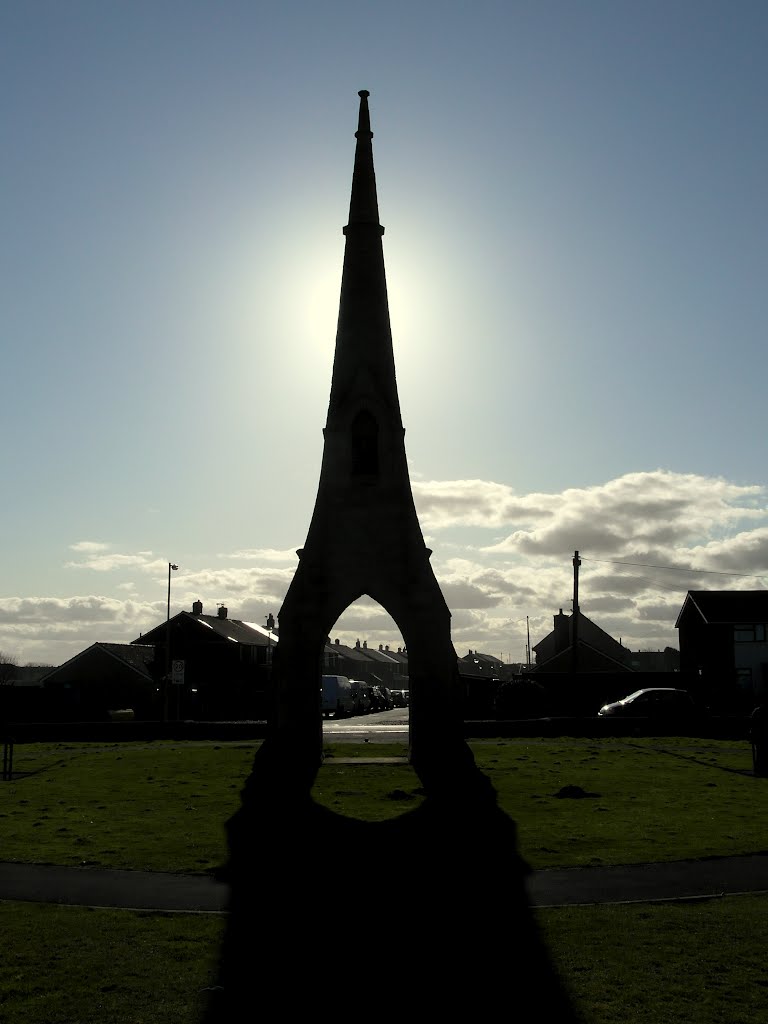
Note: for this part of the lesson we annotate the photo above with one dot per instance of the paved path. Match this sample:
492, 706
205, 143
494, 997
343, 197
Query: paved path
150, 890
682, 879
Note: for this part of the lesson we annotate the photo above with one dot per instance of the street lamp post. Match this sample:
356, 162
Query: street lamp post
270, 627
268, 691
167, 678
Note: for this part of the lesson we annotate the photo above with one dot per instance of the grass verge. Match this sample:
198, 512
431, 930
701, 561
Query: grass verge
701, 962
163, 806
654, 964
70, 965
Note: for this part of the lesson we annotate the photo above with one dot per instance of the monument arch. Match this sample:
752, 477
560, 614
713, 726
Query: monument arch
471, 945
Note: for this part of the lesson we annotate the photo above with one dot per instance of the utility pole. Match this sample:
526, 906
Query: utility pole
575, 617
528, 646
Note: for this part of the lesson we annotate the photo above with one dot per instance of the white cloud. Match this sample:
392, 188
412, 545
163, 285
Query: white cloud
634, 512
482, 503
112, 561
263, 555
503, 561
651, 519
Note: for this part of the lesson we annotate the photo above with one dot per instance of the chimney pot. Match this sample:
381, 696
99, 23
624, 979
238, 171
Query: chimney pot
222, 611
197, 607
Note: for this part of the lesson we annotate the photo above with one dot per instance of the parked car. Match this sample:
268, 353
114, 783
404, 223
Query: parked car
336, 697
361, 696
387, 695
659, 703
400, 698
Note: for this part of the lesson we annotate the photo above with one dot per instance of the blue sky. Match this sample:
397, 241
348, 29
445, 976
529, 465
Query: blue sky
576, 223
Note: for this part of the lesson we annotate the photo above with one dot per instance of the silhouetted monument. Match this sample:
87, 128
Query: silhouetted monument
461, 924
364, 537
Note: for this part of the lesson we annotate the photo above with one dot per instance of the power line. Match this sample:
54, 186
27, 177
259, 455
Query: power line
651, 581
675, 568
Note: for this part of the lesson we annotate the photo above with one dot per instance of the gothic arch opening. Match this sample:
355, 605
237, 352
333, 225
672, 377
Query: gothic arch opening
365, 646
365, 708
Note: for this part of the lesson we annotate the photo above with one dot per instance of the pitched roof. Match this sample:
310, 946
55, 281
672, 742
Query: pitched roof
137, 657
482, 659
563, 659
401, 656
250, 633
355, 653
383, 657
727, 606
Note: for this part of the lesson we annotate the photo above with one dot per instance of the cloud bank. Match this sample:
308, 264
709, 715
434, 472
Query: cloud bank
503, 561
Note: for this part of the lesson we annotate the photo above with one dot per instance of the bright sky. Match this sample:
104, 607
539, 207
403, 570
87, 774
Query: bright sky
576, 214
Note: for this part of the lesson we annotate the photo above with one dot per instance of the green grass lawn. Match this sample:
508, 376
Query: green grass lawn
649, 799
72, 965
163, 806
681, 963
692, 963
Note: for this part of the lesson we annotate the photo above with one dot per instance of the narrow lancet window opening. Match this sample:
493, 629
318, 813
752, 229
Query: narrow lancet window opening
364, 441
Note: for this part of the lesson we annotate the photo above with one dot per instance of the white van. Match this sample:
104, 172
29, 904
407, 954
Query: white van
337, 697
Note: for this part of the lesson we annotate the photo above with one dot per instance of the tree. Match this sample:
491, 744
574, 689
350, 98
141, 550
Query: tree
8, 666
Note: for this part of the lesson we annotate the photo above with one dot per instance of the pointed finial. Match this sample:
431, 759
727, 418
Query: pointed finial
363, 205
364, 120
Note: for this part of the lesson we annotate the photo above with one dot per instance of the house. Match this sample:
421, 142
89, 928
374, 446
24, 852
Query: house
480, 675
605, 668
481, 665
382, 667
594, 651
22, 696
216, 667
102, 678
340, 659
723, 642
667, 660
400, 656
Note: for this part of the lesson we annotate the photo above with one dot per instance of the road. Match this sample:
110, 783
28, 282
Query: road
378, 727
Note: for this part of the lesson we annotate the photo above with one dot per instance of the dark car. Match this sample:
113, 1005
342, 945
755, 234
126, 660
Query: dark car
389, 702
361, 696
659, 703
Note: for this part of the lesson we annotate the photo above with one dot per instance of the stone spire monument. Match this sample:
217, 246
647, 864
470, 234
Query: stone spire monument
306, 925
364, 536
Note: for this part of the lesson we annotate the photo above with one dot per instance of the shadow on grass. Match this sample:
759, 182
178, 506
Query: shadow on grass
319, 902
745, 772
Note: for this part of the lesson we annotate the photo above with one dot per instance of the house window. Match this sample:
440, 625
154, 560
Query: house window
749, 633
